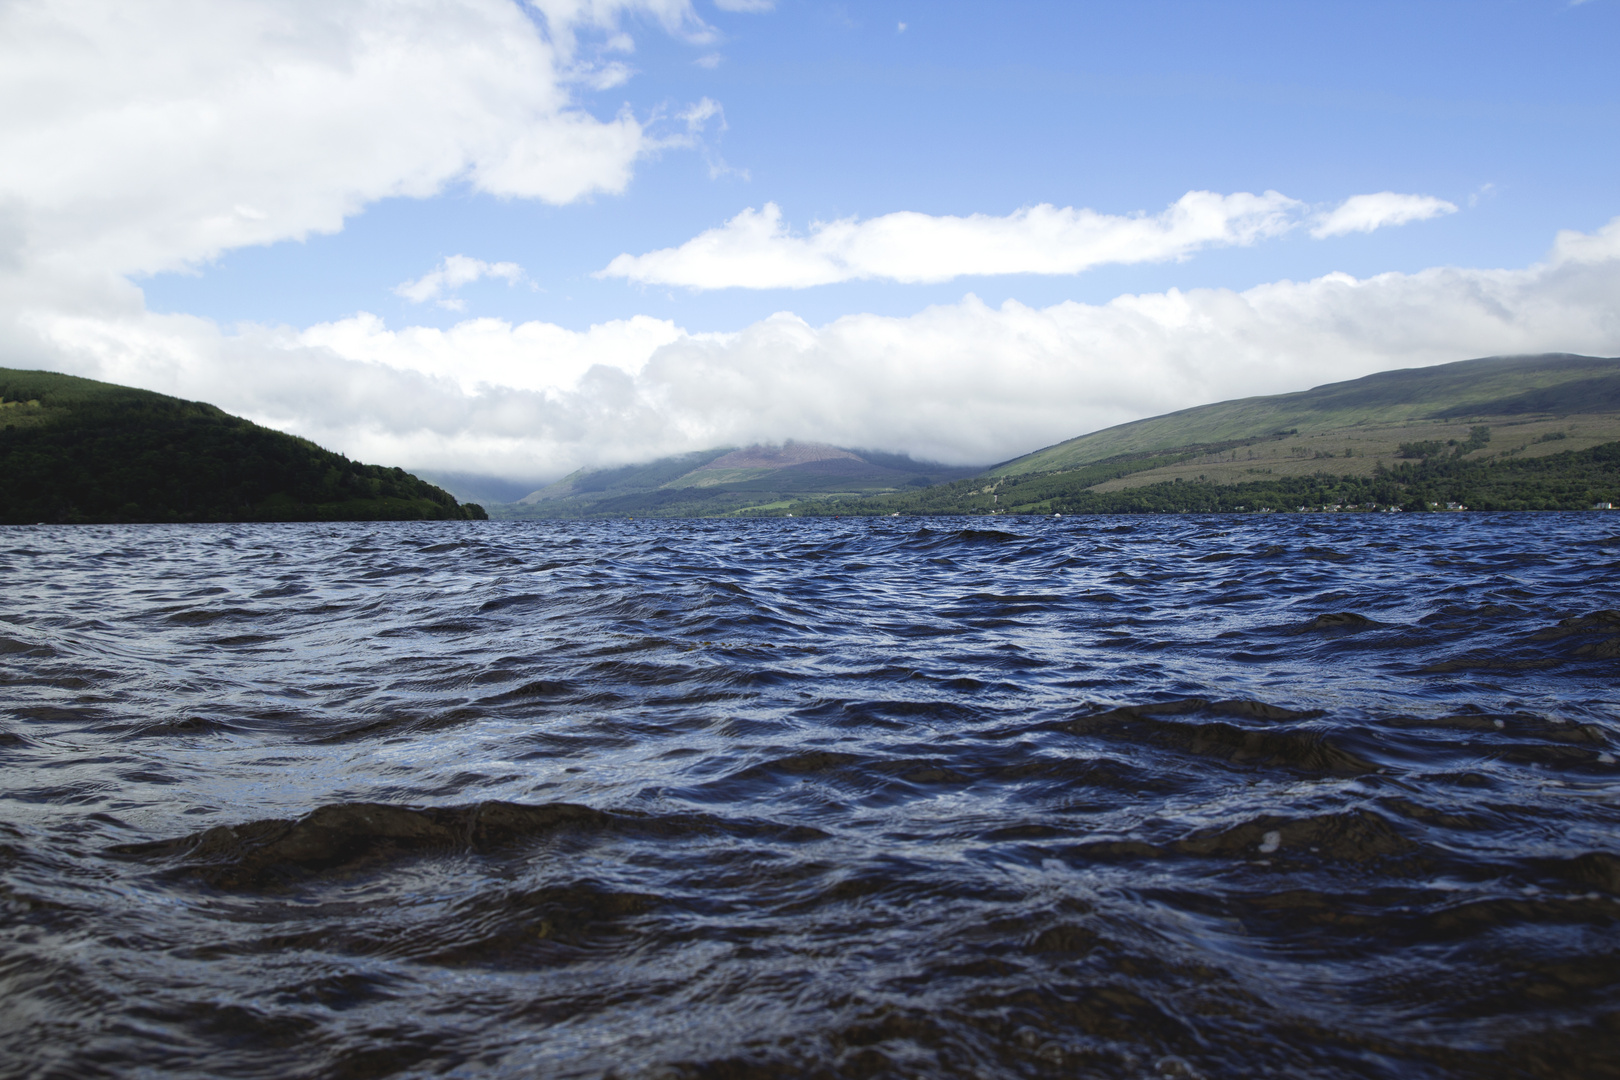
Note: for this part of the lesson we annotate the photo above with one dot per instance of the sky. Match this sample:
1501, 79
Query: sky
518, 239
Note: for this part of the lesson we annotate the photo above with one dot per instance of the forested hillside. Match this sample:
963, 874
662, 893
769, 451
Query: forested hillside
78, 450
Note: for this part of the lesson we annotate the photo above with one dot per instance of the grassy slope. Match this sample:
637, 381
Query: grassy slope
1335, 443
78, 450
1557, 476
1564, 480
1363, 449
1494, 387
1553, 426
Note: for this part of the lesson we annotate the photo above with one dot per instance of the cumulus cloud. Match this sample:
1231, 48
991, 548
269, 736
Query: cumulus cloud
452, 273
756, 250
961, 382
151, 137
1364, 213
492, 355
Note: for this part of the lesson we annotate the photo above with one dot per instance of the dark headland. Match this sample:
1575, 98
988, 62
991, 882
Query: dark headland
76, 450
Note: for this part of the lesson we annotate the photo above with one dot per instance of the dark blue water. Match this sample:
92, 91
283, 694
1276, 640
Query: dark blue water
1292, 795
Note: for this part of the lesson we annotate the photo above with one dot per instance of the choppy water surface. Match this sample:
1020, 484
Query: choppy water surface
1292, 795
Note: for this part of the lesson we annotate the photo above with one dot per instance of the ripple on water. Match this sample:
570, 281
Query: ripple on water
1175, 796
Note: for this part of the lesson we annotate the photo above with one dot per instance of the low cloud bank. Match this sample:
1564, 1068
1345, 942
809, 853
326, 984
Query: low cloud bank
963, 382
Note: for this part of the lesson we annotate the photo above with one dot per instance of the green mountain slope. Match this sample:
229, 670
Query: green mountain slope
1448, 479
1522, 432
1495, 386
1539, 432
78, 450
727, 481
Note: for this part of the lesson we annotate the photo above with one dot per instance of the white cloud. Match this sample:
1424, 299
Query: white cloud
140, 138
153, 136
756, 250
697, 119
961, 382
745, 5
451, 274
480, 354
1364, 213
698, 116
565, 18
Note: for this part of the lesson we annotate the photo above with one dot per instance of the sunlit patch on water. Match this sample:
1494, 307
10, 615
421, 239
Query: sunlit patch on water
1291, 795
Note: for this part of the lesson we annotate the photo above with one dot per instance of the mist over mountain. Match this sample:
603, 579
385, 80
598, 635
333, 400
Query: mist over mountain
727, 480
1344, 434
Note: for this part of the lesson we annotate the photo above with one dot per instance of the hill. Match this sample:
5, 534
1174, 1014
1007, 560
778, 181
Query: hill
1498, 387
481, 488
1534, 432
77, 450
727, 480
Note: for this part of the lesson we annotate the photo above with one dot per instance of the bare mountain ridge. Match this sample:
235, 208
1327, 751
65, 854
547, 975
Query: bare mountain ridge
708, 468
780, 457
730, 479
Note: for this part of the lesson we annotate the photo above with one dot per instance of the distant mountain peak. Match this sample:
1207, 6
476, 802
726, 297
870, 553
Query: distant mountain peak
764, 456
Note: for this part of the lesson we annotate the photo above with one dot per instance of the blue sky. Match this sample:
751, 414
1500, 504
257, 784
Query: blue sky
1509, 110
232, 206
